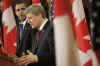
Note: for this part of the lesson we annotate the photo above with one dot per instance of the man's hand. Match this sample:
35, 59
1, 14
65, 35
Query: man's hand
13, 57
27, 59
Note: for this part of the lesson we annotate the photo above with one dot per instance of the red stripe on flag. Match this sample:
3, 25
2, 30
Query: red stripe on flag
61, 9
7, 3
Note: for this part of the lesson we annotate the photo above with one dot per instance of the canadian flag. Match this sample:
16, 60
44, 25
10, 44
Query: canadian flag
65, 44
65, 41
87, 56
9, 28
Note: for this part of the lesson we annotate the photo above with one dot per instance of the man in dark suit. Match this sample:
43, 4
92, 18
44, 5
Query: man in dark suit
23, 29
42, 52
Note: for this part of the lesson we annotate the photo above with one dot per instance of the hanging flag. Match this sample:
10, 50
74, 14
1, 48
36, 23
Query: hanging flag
65, 44
9, 28
87, 56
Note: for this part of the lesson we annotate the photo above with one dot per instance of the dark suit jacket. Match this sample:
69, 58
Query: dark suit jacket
44, 48
25, 43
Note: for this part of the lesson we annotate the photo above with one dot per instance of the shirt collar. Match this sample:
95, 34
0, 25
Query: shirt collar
23, 22
43, 24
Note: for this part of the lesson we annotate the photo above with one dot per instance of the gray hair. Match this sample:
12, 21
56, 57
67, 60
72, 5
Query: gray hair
35, 9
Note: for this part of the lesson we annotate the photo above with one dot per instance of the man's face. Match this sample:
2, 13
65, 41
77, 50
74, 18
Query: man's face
20, 8
34, 20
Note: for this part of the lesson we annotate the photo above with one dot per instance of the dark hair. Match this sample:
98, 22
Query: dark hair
20, 2
27, 3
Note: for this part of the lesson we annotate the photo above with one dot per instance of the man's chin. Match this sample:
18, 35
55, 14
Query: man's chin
22, 18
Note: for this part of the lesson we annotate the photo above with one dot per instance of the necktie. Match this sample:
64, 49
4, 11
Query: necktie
35, 34
21, 30
38, 34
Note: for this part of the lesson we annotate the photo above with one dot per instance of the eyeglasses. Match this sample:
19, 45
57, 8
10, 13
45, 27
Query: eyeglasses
20, 9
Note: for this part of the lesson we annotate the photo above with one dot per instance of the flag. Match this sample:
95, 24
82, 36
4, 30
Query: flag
95, 25
85, 48
65, 44
9, 28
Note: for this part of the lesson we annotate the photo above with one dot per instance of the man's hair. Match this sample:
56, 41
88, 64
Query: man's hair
36, 9
20, 2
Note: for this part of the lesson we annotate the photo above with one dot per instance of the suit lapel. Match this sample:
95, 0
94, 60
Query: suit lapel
25, 31
25, 34
18, 37
44, 30
42, 33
